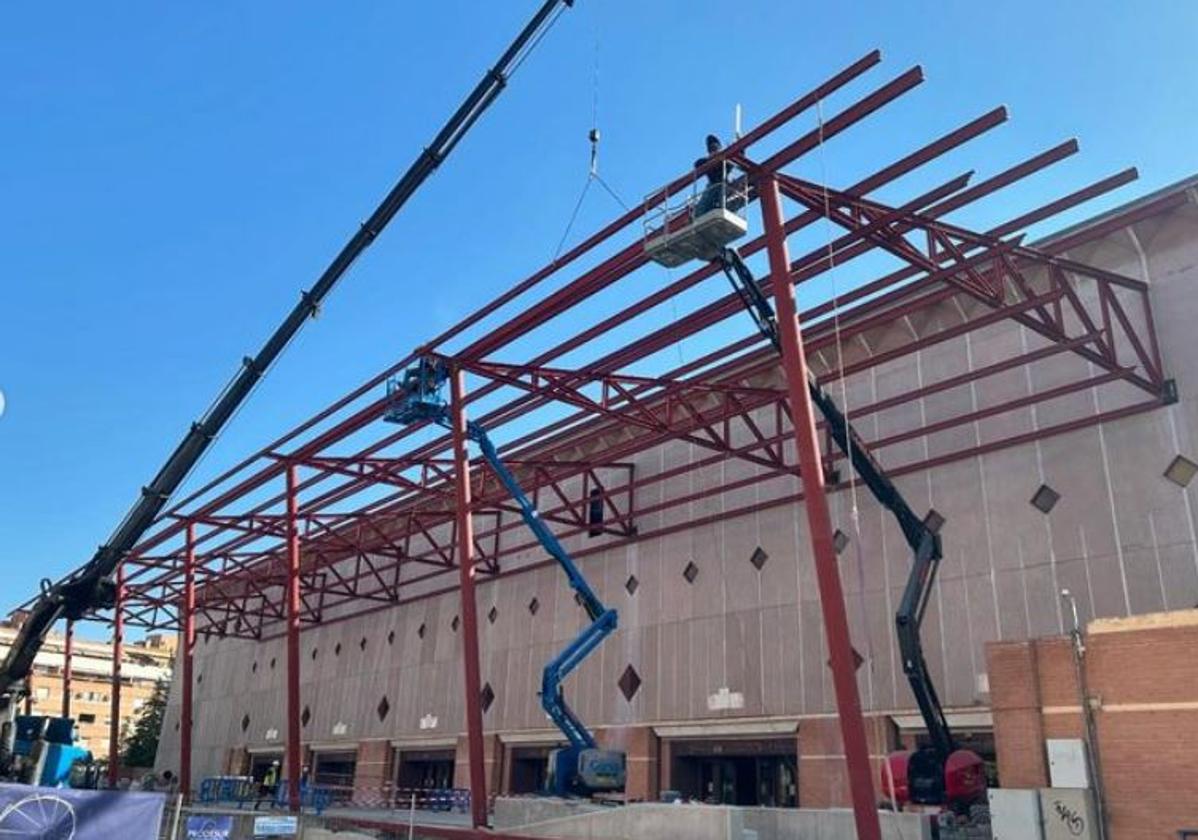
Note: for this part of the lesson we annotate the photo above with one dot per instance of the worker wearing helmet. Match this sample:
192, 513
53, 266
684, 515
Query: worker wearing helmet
716, 172
270, 781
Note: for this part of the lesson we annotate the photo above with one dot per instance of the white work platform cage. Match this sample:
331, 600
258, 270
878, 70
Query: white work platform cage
707, 219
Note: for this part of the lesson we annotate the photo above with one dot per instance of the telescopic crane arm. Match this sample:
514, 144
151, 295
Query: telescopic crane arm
91, 587
924, 542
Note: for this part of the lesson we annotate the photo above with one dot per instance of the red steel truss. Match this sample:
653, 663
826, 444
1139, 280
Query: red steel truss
373, 518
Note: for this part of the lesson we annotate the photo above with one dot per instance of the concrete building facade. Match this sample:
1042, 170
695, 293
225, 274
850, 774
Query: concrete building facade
717, 681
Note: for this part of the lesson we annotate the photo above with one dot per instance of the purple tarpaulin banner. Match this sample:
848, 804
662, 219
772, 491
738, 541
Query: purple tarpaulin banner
65, 814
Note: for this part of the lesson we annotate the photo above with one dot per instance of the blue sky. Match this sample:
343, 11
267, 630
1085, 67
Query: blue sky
171, 175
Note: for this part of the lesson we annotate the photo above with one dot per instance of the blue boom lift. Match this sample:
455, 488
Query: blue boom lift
581, 768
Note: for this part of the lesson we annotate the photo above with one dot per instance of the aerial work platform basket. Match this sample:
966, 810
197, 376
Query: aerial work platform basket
701, 226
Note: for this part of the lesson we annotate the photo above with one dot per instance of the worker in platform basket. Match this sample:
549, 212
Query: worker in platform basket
717, 177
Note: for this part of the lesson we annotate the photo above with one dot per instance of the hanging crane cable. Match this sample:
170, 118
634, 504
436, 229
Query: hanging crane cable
593, 137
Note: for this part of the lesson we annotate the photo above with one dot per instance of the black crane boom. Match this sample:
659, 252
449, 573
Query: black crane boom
91, 587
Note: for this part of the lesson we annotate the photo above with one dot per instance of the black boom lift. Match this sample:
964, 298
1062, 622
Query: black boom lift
91, 587
939, 773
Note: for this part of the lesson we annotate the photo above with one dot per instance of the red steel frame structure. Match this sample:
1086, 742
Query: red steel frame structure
342, 528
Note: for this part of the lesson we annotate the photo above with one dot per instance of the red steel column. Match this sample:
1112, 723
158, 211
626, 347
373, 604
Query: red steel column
118, 654
67, 653
465, 531
294, 748
831, 595
187, 714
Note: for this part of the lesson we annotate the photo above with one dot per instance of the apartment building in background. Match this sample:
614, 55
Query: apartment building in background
144, 663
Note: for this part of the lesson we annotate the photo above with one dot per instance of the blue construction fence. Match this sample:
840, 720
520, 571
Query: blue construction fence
244, 792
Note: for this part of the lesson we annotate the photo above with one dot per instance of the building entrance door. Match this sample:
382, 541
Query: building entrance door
530, 769
260, 763
736, 772
425, 769
335, 770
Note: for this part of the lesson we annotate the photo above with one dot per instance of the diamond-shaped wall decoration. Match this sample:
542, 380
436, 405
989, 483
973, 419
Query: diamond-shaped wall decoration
272, 663
840, 541
534, 605
934, 521
690, 572
383, 708
492, 615
254, 668
629, 683
305, 716
421, 630
337, 650
487, 697
314, 654
245, 723
391, 637
362, 645
758, 558
858, 660
454, 624
1045, 498
632, 584
199, 679
1181, 471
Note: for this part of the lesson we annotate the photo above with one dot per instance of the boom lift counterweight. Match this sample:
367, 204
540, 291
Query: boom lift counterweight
580, 768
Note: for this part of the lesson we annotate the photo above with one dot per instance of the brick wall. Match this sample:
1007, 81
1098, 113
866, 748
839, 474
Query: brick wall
1143, 685
492, 763
641, 745
823, 773
372, 772
1018, 719
237, 761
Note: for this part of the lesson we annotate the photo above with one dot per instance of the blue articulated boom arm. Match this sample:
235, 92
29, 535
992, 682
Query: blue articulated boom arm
603, 620
417, 396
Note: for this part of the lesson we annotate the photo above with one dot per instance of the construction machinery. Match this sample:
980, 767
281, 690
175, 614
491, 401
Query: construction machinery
91, 587
44, 752
581, 768
939, 773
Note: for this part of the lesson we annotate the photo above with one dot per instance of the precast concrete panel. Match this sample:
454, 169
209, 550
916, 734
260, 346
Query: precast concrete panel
815, 675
